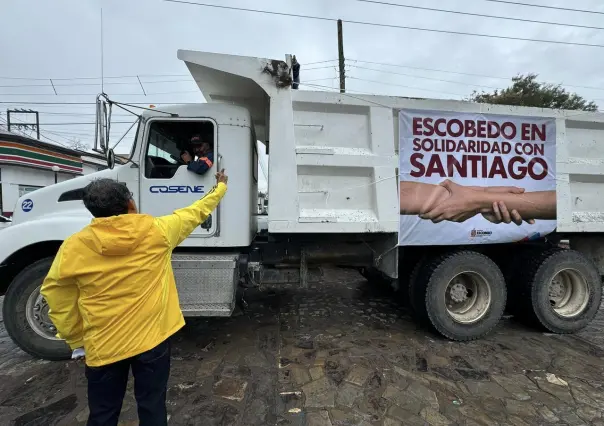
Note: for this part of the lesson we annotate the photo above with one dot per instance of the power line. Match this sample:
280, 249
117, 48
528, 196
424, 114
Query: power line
318, 68
93, 103
75, 114
480, 15
515, 3
407, 87
426, 69
361, 99
93, 78
457, 72
134, 76
94, 94
69, 134
126, 83
375, 24
72, 123
426, 78
320, 62
82, 123
320, 79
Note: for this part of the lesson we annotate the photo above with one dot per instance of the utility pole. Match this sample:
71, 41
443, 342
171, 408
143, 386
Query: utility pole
341, 57
25, 125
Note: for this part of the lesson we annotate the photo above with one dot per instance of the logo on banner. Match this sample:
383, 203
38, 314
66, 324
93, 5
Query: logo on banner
478, 233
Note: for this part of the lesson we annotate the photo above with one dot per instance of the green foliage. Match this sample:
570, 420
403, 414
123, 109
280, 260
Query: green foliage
527, 91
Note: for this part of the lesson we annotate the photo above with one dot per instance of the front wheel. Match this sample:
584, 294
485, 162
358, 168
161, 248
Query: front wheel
26, 315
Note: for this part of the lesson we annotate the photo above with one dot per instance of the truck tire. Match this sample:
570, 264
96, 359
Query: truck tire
464, 294
417, 298
561, 290
511, 262
26, 315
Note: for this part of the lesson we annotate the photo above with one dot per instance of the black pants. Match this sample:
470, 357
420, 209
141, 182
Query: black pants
107, 387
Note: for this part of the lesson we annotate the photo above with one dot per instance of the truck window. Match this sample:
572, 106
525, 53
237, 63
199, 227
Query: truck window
167, 141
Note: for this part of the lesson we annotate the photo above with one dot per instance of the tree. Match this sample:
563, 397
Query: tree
527, 91
78, 145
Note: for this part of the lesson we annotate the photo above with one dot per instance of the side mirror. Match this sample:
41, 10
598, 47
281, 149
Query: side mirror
110, 158
103, 124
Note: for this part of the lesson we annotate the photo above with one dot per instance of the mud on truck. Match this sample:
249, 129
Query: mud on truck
355, 181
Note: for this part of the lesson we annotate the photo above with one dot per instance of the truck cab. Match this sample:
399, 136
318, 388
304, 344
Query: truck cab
206, 262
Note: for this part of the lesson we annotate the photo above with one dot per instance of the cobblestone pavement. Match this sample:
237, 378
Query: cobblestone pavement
339, 353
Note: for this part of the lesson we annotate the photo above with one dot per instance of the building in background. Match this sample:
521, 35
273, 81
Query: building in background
262, 203
28, 164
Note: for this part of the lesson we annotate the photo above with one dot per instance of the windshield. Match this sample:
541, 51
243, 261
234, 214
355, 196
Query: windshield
163, 145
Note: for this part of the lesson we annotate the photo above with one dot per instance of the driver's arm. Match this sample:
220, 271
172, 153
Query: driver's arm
201, 165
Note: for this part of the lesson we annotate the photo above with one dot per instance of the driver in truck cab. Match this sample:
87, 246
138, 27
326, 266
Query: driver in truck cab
113, 298
204, 151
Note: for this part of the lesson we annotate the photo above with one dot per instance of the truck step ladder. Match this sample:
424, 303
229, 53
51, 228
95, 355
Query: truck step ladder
206, 283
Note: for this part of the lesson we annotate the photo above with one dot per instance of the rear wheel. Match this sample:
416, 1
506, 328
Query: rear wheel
417, 296
461, 294
562, 292
26, 315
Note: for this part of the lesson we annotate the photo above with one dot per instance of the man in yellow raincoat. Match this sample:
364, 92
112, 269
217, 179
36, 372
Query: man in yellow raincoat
111, 291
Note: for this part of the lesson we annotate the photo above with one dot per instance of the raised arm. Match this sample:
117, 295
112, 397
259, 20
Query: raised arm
179, 225
61, 294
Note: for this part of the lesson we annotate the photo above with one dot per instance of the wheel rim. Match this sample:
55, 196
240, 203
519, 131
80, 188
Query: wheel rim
468, 297
36, 312
568, 293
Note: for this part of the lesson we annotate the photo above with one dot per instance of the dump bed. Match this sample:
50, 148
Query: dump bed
334, 158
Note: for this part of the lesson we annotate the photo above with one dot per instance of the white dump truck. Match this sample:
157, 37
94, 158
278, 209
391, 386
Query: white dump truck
417, 192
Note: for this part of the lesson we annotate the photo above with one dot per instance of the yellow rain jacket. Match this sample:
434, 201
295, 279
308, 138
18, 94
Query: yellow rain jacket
111, 287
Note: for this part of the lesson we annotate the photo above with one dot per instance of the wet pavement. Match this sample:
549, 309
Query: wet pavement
342, 352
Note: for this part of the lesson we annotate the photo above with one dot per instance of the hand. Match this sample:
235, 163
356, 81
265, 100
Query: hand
463, 203
186, 157
501, 214
222, 177
78, 354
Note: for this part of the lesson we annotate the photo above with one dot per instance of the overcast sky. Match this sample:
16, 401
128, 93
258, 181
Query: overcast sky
61, 39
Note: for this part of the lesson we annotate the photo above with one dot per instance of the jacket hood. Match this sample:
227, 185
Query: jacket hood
116, 235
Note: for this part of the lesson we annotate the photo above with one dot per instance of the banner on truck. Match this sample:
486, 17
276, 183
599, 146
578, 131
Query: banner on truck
467, 178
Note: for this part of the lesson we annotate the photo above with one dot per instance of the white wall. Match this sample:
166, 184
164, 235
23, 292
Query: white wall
13, 176
90, 168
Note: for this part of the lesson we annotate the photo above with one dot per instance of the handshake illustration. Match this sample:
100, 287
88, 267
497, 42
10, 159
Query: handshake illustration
452, 202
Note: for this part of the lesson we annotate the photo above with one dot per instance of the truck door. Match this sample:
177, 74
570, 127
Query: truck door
166, 184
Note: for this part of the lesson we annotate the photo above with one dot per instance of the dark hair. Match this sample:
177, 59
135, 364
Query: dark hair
106, 197
200, 140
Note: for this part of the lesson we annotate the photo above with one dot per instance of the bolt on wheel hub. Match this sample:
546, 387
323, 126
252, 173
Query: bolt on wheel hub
468, 297
459, 292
